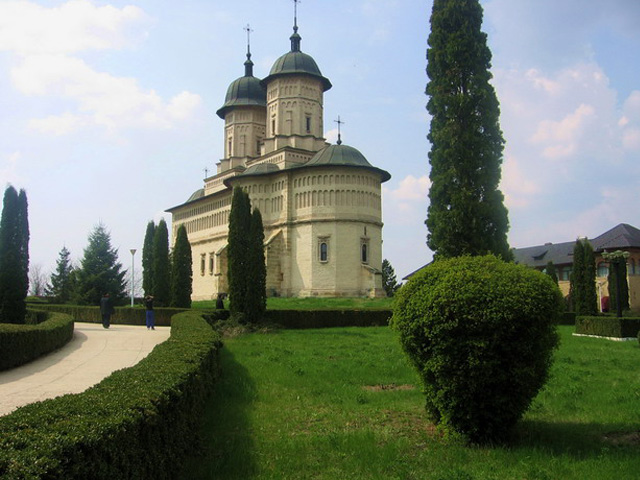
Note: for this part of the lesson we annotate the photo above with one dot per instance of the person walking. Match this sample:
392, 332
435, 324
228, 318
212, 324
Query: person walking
151, 319
106, 310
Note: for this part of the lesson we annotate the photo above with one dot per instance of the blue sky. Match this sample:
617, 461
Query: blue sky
107, 109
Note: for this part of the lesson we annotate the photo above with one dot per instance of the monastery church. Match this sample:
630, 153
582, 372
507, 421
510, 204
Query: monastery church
320, 203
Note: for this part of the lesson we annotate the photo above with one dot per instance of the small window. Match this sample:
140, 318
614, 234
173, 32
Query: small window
211, 263
603, 269
364, 252
257, 147
324, 252
229, 145
273, 126
308, 123
202, 264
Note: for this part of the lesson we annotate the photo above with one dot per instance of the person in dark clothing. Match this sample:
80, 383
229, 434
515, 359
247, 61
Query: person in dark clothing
106, 309
220, 302
151, 319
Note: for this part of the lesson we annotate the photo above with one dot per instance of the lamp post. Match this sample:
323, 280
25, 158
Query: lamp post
133, 252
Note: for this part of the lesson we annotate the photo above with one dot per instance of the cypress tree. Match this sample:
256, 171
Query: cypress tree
618, 266
466, 214
12, 275
181, 270
161, 266
23, 236
237, 250
578, 278
99, 271
60, 284
147, 259
590, 295
256, 299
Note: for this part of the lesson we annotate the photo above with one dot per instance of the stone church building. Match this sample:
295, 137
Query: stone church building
320, 203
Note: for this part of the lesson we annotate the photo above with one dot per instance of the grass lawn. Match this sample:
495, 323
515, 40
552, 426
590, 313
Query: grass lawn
344, 404
312, 303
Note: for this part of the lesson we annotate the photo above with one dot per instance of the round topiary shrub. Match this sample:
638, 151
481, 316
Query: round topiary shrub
481, 333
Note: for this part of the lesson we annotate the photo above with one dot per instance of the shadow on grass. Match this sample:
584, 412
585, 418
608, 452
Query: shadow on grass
227, 434
578, 440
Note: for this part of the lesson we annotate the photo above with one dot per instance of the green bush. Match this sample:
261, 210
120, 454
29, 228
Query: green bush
638, 336
608, 326
140, 422
481, 334
20, 344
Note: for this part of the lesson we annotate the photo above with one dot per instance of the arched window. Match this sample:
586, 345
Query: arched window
364, 252
603, 269
324, 252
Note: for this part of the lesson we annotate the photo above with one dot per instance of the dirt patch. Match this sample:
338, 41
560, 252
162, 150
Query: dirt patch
631, 439
388, 387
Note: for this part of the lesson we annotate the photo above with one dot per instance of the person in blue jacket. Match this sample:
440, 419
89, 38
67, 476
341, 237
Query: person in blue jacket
148, 305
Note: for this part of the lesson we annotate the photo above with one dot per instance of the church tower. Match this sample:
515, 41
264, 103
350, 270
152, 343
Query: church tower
295, 89
244, 114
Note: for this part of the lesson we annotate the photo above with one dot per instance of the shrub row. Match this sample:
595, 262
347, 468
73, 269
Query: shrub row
20, 344
139, 422
567, 318
301, 319
122, 315
625, 327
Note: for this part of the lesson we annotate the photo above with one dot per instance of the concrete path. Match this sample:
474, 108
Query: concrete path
92, 355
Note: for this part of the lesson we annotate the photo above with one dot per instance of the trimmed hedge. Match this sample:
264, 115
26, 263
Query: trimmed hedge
20, 344
122, 315
139, 422
567, 318
625, 327
301, 319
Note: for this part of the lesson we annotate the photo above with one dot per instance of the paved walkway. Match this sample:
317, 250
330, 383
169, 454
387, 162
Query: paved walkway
92, 355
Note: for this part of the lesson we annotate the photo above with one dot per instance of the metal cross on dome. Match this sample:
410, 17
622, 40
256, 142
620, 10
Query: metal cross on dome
339, 122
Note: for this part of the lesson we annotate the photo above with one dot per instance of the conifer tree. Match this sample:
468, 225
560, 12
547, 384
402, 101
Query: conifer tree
256, 299
161, 266
239, 228
590, 295
578, 277
618, 266
466, 214
99, 271
181, 270
60, 284
14, 280
147, 259
551, 271
389, 282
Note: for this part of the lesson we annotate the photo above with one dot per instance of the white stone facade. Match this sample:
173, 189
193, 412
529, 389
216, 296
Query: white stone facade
322, 215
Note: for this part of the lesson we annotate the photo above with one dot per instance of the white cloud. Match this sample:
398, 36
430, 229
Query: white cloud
410, 198
517, 187
27, 28
46, 37
9, 168
562, 137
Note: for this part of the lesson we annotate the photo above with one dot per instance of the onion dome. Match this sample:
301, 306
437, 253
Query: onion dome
296, 63
244, 91
343, 156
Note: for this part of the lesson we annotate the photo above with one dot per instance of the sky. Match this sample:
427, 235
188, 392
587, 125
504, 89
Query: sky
107, 109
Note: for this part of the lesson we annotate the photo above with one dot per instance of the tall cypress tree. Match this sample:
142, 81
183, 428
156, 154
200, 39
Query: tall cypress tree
256, 299
147, 259
60, 283
578, 277
618, 266
161, 266
99, 271
181, 270
239, 228
13, 286
23, 235
466, 214
590, 296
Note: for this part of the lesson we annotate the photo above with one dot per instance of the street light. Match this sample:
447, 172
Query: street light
133, 252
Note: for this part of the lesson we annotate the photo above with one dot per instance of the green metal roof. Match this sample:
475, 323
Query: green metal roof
244, 91
296, 62
344, 156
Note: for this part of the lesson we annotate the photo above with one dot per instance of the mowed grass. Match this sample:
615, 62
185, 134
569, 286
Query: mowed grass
344, 404
313, 303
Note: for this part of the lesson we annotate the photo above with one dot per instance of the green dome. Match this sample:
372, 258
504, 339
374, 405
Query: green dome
260, 169
296, 63
244, 91
343, 156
